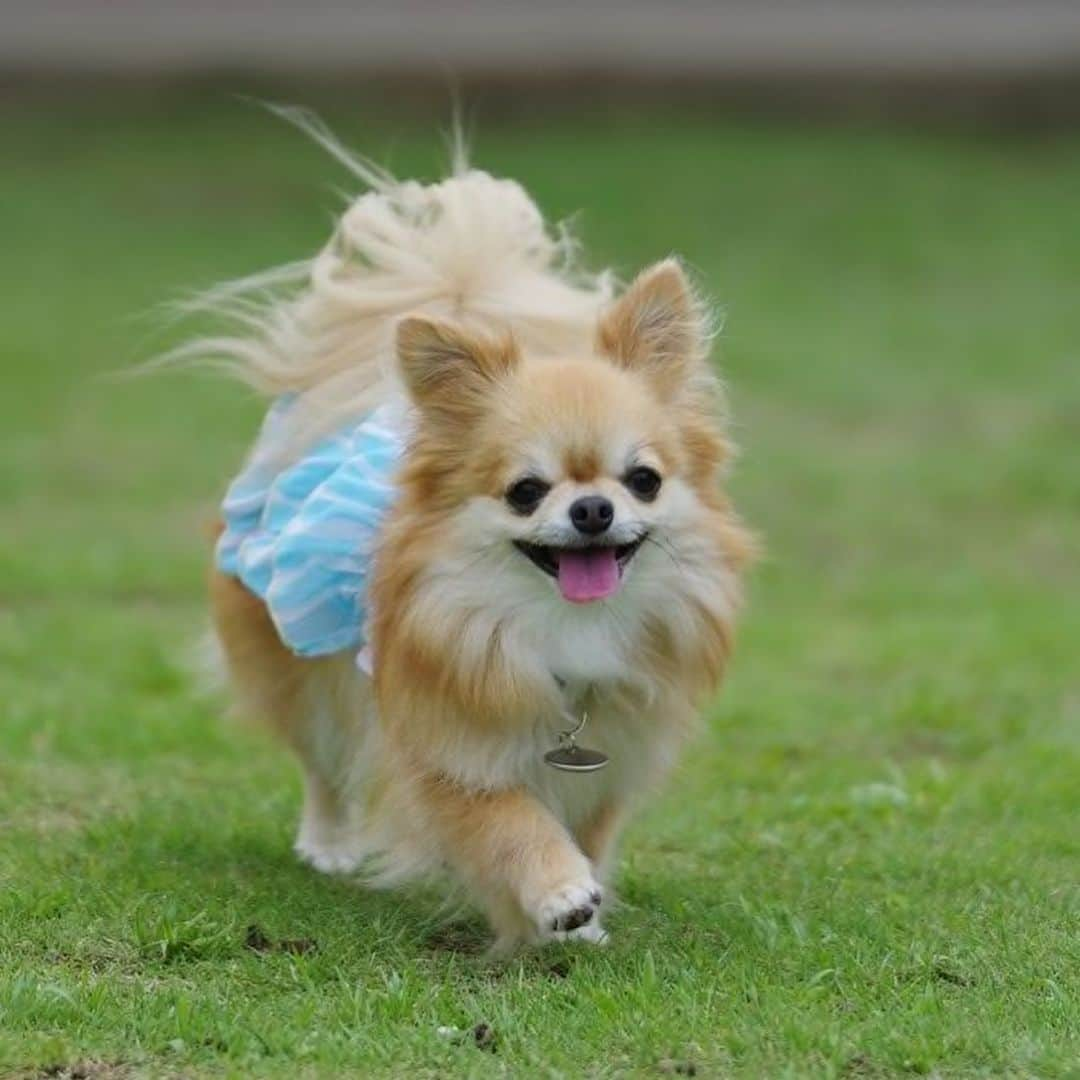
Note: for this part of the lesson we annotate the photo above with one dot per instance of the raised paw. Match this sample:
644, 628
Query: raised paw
571, 912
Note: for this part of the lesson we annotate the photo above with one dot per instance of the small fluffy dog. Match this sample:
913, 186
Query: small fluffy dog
500, 484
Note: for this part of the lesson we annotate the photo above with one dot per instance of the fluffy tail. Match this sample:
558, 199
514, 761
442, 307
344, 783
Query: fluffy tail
470, 247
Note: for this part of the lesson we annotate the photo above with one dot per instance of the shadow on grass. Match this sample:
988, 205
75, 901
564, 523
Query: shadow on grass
181, 881
176, 883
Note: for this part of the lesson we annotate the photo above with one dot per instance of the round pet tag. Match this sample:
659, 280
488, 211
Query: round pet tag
576, 759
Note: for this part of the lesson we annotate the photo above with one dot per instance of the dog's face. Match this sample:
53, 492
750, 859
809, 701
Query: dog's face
578, 494
586, 470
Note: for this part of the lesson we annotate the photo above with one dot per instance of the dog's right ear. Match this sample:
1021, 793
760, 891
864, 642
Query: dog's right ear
448, 371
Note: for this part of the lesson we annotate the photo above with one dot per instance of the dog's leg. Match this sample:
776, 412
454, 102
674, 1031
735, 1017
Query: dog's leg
316, 706
520, 862
330, 836
599, 835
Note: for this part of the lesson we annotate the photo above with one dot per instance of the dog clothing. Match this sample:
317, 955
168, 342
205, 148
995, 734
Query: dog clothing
302, 537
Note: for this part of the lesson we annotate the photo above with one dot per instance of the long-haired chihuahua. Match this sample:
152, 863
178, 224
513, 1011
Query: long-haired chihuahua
478, 571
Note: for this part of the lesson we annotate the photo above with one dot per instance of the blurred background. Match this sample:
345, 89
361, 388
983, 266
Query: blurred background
883, 198
999, 61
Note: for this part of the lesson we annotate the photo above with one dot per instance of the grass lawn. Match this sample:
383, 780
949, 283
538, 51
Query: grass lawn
868, 867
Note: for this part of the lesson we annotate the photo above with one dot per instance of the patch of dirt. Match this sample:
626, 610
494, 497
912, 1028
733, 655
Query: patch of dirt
676, 1068
258, 941
860, 1065
484, 1037
458, 938
863, 1066
951, 977
85, 1070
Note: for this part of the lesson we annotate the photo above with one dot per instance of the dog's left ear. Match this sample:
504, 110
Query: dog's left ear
657, 328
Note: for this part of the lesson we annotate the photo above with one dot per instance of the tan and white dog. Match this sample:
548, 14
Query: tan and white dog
560, 546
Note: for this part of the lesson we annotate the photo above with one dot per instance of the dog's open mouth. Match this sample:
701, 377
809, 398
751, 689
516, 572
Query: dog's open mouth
583, 573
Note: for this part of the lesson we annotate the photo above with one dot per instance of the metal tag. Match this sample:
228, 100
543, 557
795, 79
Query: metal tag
575, 758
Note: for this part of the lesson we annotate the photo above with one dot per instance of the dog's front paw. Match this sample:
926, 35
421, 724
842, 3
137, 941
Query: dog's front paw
341, 856
570, 912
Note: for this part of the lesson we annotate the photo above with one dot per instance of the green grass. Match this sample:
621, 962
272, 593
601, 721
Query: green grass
869, 865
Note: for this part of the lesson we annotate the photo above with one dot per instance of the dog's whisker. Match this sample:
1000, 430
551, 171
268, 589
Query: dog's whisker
669, 552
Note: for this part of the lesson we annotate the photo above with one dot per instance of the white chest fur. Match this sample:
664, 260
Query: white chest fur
638, 744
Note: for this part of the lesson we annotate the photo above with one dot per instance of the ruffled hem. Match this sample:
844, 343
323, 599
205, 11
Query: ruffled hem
303, 538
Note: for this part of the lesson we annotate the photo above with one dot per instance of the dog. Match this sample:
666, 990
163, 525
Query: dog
479, 571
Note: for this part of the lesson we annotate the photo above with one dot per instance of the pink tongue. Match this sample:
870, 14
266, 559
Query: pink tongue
588, 574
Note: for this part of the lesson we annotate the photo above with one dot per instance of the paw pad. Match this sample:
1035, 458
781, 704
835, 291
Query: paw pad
573, 910
578, 917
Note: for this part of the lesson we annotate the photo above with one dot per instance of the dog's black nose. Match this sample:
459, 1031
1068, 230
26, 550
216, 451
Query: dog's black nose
592, 514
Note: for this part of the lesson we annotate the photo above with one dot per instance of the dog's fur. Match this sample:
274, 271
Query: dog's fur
458, 296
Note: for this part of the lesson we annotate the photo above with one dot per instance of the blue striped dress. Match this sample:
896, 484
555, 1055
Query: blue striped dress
302, 537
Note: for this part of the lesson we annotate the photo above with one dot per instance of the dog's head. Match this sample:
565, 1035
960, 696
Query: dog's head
577, 496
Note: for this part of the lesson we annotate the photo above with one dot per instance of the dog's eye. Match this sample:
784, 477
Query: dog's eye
526, 495
643, 482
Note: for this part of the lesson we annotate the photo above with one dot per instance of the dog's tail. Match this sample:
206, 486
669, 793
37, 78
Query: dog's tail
470, 247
